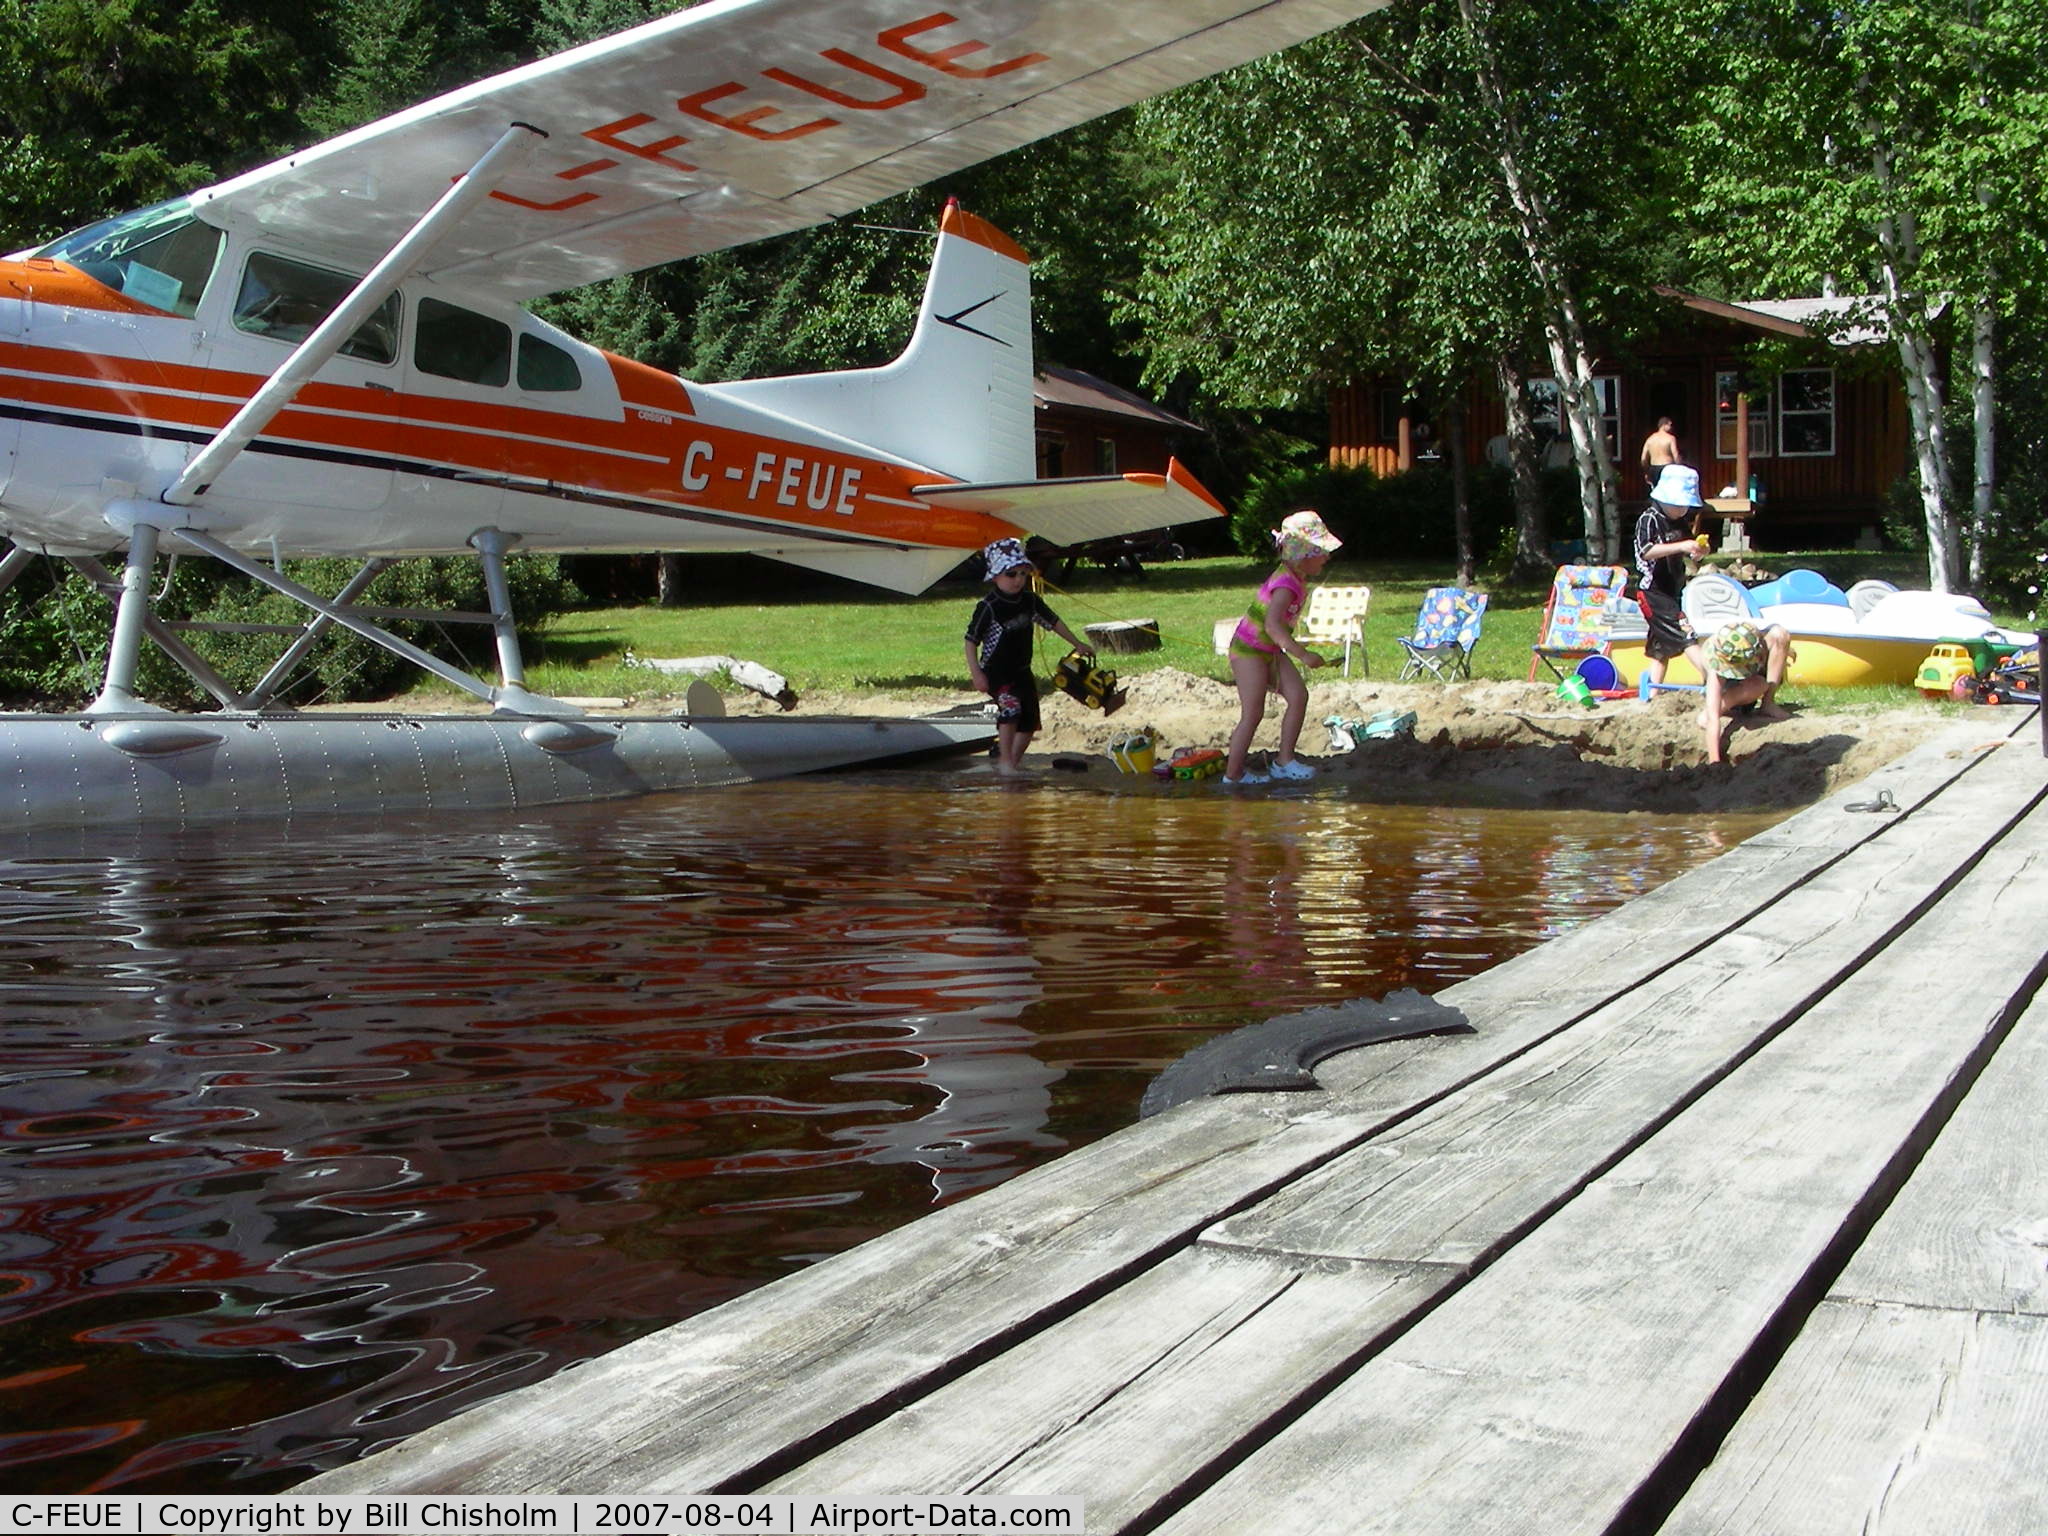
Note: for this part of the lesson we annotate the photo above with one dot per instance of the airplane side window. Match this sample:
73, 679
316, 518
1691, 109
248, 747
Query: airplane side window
283, 300
462, 344
545, 367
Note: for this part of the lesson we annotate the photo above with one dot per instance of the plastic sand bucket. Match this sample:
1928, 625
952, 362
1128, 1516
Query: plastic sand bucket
1573, 690
1599, 673
1132, 754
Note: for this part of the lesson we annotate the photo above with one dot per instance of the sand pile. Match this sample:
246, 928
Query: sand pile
1490, 743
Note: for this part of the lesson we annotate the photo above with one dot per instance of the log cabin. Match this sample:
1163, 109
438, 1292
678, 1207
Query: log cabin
1820, 446
1089, 426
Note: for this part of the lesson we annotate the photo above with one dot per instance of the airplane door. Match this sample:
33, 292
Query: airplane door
332, 447
455, 441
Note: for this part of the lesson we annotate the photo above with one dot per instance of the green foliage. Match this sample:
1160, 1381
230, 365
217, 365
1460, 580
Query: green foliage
2016, 565
837, 296
388, 53
112, 104
1396, 517
54, 628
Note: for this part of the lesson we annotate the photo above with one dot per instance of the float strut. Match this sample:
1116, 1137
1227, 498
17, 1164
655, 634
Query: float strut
131, 617
511, 696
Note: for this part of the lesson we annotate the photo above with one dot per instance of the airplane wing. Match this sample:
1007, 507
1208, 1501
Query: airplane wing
741, 119
1077, 510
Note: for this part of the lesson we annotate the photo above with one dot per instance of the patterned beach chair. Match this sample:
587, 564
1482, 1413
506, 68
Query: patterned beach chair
1578, 616
1445, 631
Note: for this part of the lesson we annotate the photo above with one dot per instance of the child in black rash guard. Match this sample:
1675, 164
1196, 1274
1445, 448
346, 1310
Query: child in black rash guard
1663, 545
999, 649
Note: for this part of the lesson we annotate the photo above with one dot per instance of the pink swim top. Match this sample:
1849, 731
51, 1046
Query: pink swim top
1283, 588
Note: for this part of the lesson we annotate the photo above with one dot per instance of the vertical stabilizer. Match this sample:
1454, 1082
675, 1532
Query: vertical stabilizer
959, 398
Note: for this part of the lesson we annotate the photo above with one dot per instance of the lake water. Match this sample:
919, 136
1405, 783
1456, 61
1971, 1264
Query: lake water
312, 1135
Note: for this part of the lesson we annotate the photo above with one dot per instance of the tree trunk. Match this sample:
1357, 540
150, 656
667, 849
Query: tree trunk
1920, 367
1569, 356
1461, 497
1608, 481
1532, 538
668, 581
1983, 411
1924, 406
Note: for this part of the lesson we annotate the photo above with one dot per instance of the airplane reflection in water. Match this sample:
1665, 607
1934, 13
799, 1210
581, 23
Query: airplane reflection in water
308, 1141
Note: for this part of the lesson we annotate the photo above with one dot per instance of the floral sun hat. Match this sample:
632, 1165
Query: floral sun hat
1006, 555
1735, 651
1302, 534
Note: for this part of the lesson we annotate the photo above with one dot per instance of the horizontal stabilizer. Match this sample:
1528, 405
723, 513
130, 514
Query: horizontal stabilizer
1075, 511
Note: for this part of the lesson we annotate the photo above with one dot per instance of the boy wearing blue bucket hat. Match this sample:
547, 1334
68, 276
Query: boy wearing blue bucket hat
1663, 546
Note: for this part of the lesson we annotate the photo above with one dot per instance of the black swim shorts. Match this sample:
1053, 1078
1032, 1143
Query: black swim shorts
1668, 633
1016, 701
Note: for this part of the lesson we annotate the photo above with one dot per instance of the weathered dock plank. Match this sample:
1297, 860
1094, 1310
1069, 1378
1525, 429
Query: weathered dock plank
1470, 1174
1554, 985
1916, 1396
1124, 1399
1577, 1374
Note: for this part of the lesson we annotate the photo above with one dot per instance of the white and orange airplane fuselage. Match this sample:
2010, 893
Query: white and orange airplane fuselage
452, 413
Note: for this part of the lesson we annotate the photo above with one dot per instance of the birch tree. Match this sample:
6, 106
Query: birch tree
1365, 204
1543, 245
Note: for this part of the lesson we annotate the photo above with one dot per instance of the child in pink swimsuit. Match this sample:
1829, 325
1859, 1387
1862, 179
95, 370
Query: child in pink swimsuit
1264, 653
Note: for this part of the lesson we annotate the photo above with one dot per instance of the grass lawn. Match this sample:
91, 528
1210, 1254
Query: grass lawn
831, 636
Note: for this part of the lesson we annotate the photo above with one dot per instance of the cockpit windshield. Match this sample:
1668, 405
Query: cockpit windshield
161, 255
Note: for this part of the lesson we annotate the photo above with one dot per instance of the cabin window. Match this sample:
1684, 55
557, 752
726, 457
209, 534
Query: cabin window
545, 368
1105, 455
456, 343
284, 300
1553, 437
160, 256
1806, 412
1726, 387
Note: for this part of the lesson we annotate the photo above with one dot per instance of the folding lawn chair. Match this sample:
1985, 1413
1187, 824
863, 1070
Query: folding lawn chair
1578, 616
1337, 615
1445, 631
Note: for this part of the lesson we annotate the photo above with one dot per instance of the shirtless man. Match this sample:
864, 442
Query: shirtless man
1660, 448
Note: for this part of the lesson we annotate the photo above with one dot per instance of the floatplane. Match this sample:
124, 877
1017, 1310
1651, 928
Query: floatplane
328, 355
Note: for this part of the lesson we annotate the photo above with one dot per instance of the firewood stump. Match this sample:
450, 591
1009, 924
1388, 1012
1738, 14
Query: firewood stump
1124, 635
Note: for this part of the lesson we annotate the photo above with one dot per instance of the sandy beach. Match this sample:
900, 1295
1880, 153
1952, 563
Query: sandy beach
1486, 743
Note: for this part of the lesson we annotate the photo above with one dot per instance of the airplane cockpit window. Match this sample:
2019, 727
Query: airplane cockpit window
545, 367
161, 256
462, 344
283, 300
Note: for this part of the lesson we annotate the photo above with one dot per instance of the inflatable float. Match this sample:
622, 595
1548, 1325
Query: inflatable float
1872, 633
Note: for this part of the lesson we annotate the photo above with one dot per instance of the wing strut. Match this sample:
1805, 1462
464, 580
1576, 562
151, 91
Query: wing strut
326, 338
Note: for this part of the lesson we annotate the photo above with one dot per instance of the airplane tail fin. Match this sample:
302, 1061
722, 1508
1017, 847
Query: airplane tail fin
958, 400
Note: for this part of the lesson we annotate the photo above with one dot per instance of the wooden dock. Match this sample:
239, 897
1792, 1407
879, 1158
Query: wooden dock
1730, 1216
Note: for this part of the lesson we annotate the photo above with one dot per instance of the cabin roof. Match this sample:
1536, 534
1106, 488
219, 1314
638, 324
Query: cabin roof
1078, 391
1796, 317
